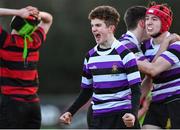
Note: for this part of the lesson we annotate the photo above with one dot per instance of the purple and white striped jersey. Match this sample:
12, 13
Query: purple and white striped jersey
110, 74
166, 84
130, 41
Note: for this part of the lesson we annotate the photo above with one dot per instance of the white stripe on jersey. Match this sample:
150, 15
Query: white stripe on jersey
175, 66
128, 57
153, 51
167, 90
171, 56
86, 81
111, 77
133, 76
106, 58
156, 86
111, 104
117, 95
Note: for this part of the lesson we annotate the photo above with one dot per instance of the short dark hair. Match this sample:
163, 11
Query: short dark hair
133, 15
107, 13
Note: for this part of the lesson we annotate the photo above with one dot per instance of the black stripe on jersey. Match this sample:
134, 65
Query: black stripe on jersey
114, 52
143, 48
107, 71
134, 50
18, 65
124, 53
109, 90
158, 80
87, 57
19, 82
27, 97
84, 74
3, 36
135, 85
93, 55
39, 33
175, 52
146, 45
17, 49
132, 69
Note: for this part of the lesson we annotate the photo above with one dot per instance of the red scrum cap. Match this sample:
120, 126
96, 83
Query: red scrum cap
165, 15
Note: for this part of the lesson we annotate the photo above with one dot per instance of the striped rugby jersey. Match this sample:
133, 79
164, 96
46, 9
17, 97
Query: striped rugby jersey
18, 78
166, 84
110, 74
130, 41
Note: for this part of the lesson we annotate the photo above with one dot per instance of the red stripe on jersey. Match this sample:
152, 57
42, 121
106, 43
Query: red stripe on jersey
19, 40
43, 33
19, 74
0, 29
24, 100
18, 90
17, 56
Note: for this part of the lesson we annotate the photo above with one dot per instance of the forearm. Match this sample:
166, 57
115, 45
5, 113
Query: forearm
46, 21
83, 97
145, 67
45, 17
146, 86
136, 93
9, 12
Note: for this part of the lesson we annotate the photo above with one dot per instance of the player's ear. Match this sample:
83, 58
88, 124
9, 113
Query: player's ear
112, 28
141, 23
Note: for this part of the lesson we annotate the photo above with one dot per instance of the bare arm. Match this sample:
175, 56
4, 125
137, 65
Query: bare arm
46, 21
164, 45
154, 68
24, 12
146, 86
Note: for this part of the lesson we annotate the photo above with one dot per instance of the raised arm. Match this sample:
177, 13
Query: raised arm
46, 21
24, 12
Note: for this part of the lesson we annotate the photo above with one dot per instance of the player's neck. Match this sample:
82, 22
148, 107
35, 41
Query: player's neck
159, 39
108, 43
137, 33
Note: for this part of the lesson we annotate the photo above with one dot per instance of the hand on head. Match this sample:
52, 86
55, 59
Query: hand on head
29, 11
173, 38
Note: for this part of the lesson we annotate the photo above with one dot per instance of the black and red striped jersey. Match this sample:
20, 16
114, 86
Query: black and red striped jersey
18, 76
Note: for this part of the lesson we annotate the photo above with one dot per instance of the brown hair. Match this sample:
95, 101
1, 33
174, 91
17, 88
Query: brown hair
107, 13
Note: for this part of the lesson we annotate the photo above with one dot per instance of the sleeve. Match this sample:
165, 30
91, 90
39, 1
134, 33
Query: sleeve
86, 89
38, 37
134, 79
83, 97
86, 81
172, 55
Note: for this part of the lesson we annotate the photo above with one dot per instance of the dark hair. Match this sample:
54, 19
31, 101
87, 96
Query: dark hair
17, 22
133, 15
107, 13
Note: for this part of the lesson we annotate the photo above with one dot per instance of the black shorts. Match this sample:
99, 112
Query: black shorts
113, 121
159, 113
19, 114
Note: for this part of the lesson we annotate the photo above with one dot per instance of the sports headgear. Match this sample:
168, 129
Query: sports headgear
24, 27
165, 15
